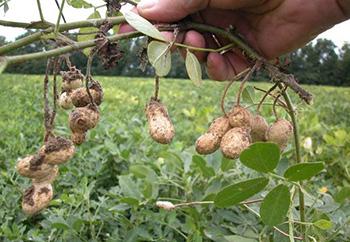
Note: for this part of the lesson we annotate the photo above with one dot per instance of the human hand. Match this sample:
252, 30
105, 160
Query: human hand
272, 27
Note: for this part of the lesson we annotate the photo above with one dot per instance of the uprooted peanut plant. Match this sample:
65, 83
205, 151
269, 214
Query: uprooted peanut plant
240, 132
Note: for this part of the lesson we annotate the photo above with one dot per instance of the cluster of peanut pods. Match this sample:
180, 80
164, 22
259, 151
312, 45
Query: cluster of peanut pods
42, 167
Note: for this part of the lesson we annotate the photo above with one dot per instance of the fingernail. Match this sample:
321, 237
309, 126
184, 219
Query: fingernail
147, 4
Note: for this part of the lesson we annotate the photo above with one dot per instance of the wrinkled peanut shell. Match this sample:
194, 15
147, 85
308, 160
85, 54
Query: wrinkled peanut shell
160, 126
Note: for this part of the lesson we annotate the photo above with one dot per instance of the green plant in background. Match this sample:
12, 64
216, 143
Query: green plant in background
120, 175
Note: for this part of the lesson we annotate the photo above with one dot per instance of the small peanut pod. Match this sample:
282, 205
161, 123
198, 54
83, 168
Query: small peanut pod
83, 119
36, 198
240, 117
78, 138
259, 128
65, 101
57, 150
280, 132
80, 97
160, 126
234, 142
72, 79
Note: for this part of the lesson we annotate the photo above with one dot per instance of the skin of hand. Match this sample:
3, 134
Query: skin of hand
272, 27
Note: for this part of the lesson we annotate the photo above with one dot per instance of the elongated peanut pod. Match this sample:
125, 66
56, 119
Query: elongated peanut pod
220, 126
33, 166
160, 126
208, 143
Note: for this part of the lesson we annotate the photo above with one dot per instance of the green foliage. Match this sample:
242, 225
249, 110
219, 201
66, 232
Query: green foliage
143, 25
304, 171
236, 193
275, 206
160, 57
107, 192
262, 157
193, 68
323, 224
88, 33
79, 4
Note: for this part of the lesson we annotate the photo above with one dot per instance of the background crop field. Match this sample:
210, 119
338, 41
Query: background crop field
107, 192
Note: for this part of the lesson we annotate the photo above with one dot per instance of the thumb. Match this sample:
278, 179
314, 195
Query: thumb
169, 10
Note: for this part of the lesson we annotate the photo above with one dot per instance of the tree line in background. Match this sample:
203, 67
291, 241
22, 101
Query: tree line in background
320, 62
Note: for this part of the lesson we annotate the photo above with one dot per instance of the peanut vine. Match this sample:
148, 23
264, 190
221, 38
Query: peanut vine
239, 132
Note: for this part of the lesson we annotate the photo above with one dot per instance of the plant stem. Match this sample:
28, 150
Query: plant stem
63, 50
40, 11
59, 17
298, 156
252, 54
63, 27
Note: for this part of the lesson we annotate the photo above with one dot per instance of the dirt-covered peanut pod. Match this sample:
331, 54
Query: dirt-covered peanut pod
280, 132
240, 117
65, 100
207, 143
220, 126
235, 141
259, 128
36, 198
83, 119
78, 138
160, 126
49, 178
57, 150
80, 96
33, 166
72, 79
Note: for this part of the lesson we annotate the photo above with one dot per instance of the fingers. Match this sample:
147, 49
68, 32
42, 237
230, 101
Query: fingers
169, 10
173, 10
194, 39
225, 67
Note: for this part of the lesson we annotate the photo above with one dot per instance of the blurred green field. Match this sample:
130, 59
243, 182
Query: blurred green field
107, 192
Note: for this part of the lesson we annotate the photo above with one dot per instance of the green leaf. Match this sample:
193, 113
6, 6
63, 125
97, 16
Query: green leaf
60, 223
160, 57
202, 165
84, 32
129, 187
236, 193
275, 206
248, 94
323, 224
79, 4
226, 164
262, 157
142, 25
303, 171
193, 68
342, 195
